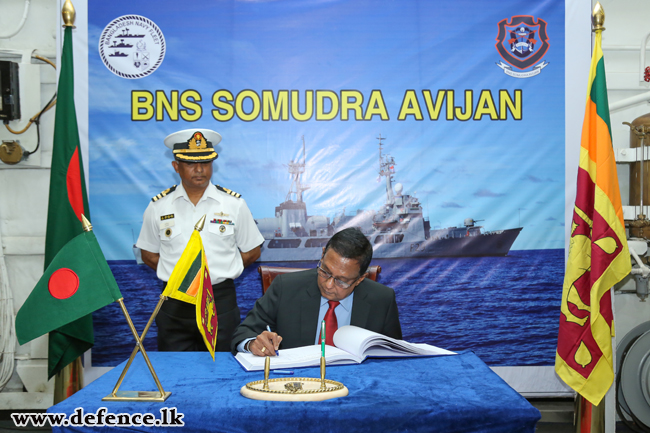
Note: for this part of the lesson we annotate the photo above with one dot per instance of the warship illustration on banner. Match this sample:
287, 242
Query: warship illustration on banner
397, 230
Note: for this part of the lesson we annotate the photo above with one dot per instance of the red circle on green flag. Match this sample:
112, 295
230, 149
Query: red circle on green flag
63, 283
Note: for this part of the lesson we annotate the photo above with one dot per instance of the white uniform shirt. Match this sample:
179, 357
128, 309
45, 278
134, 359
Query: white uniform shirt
229, 227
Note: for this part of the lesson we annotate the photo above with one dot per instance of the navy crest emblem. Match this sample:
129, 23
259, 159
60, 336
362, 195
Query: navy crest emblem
132, 46
522, 42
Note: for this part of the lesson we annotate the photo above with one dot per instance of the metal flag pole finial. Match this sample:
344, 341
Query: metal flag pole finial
68, 13
598, 17
199, 225
86, 224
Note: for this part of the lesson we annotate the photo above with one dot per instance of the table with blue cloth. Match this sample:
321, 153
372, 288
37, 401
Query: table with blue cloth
456, 393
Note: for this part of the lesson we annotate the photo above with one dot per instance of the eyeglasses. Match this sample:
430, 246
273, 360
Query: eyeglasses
340, 284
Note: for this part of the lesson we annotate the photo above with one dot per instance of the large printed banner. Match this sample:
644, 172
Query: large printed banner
436, 127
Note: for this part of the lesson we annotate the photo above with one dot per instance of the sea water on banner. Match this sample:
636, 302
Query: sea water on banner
505, 309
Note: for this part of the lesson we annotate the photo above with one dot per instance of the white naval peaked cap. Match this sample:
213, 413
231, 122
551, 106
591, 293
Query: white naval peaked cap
194, 145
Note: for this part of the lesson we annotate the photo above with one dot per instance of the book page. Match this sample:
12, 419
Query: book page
413, 349
363, 343
433, 349
306, 356
353, 339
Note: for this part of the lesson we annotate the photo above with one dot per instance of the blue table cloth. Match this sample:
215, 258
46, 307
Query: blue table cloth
437, 394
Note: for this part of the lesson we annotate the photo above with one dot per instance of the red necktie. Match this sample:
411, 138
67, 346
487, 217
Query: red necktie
331, 324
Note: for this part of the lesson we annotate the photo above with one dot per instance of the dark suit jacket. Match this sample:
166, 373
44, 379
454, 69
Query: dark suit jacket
292, 303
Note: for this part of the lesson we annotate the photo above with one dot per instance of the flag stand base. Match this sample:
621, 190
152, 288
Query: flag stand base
160, 395
137, 396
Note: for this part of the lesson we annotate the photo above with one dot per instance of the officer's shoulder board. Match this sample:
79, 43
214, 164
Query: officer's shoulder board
228, 191
164, 193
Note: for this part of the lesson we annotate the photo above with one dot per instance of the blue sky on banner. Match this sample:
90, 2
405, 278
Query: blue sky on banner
509, 173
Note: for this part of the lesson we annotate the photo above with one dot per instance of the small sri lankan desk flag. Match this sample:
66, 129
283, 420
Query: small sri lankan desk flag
190, 282
77, 282
598, 252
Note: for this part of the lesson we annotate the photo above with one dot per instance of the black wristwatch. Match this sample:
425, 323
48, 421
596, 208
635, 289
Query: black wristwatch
247, 346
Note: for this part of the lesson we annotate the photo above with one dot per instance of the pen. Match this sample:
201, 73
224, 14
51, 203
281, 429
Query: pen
288, 372
268, 328
322, 338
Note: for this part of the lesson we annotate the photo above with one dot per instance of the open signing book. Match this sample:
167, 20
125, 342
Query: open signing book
353, 345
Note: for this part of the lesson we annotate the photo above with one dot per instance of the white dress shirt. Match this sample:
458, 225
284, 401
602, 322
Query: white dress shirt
229, 227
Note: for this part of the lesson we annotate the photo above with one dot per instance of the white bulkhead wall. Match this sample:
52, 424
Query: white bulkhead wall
24, 188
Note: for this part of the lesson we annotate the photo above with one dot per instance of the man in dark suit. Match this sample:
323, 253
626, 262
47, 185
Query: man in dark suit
337, 291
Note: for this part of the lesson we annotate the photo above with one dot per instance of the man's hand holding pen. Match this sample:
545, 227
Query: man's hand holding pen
266, 344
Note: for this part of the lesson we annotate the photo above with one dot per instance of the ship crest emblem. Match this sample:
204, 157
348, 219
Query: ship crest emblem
522, 42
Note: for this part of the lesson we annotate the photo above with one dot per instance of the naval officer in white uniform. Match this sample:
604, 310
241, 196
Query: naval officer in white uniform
230, 238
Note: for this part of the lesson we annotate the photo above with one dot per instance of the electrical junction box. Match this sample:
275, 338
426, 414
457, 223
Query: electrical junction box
31, 77
9, 91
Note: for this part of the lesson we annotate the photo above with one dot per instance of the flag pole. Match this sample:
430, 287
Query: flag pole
70, 378
159, 396
591, 418
136, 349
117, 395
68, 381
